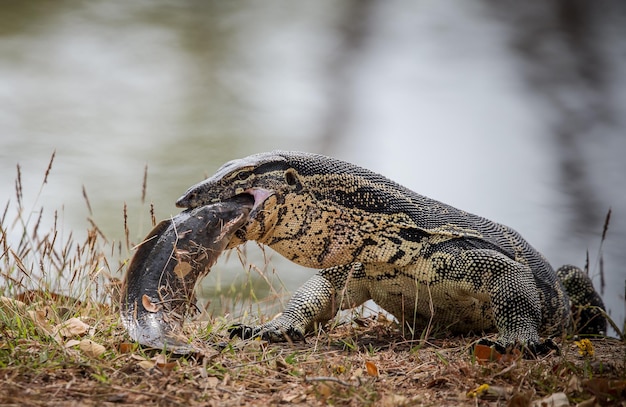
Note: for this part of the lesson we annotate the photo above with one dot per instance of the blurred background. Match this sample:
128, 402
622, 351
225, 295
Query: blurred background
515, 111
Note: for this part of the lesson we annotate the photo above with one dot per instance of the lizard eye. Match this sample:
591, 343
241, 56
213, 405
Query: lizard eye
291, 178
243, 175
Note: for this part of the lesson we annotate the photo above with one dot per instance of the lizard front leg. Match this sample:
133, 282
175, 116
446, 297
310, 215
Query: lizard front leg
316, 302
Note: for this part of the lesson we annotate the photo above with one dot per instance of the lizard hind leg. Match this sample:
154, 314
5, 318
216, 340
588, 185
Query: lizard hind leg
515, 300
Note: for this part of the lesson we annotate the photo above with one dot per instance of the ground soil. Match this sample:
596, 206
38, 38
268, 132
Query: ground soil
356, 364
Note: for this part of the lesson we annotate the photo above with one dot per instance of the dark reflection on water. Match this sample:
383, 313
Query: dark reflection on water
434, 96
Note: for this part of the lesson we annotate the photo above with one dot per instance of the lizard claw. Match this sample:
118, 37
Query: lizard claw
529, 351
241, 331
543, 348
270, 334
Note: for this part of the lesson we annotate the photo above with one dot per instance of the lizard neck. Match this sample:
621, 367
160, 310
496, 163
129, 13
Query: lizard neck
320, 233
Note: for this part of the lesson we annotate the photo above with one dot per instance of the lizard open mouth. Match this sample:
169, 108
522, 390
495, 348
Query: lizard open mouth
254, 196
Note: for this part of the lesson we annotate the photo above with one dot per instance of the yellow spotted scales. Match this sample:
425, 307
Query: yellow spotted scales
419, 259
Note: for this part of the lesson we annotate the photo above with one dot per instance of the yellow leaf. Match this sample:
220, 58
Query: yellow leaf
477, 392
339, 369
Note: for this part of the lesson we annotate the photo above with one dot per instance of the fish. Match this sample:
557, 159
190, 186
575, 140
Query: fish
158, 288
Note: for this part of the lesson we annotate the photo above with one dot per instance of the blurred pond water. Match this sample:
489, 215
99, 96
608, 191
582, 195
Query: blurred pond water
430, 94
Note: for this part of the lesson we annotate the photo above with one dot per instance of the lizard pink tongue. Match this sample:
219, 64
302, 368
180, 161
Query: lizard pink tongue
260, 195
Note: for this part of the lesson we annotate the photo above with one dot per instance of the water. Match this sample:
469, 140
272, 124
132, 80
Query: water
430, 94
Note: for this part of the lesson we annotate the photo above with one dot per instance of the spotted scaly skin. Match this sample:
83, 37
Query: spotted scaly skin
419, 259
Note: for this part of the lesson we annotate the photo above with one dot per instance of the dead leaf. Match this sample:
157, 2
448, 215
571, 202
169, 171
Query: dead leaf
145, 364
574, 385
126, 347
166, 367
592, 402
484, 353
519, 400
372, 369
71, 343
161, 363
554, 400
605, 389
212, 382
324, 390
71, 328
39, 317
12, 305
289, 398
91, 348
148, 305
182, 269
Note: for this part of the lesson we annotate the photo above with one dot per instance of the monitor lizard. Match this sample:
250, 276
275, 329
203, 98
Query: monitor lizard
423, 261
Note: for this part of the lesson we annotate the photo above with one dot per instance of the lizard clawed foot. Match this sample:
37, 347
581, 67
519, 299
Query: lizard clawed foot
267, 333
243, 331
528, 351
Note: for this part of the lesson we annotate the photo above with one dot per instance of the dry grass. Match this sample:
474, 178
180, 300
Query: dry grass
61, 343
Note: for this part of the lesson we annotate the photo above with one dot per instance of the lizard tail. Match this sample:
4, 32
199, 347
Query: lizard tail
587, 307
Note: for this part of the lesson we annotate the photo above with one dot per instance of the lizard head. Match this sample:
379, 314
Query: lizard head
268, 180
259, 176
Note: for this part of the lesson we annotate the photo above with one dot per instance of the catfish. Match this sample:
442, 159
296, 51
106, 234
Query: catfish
158, 288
